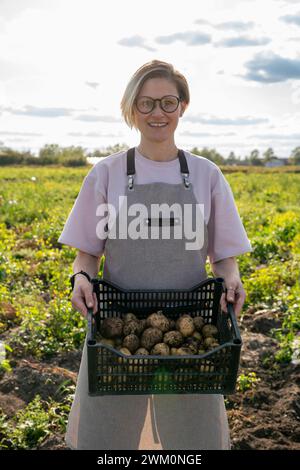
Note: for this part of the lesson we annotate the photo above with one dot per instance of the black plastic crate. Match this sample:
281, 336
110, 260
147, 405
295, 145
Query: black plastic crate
112, 373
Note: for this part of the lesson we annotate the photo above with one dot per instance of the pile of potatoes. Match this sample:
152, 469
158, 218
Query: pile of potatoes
158, 335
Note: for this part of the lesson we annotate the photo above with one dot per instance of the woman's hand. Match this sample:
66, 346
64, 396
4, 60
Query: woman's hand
235, 293
83, 296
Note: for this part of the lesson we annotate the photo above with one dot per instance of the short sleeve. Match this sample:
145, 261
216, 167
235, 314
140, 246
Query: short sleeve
81, 229
226, 234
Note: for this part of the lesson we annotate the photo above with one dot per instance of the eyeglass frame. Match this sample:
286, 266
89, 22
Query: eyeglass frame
154, 103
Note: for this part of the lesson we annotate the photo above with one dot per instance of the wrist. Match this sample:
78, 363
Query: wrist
81, 274
226, 268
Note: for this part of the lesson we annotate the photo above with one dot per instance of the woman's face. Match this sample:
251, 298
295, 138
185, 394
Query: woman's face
157, 88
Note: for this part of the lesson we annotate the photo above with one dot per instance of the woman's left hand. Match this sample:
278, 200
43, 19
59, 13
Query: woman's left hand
235, 293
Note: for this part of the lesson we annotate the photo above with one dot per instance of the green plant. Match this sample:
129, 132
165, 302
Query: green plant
35, 268
31, 425
247, 381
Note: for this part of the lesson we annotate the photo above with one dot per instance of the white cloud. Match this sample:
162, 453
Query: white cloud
73, 60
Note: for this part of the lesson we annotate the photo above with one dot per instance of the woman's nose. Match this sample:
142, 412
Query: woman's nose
157, 109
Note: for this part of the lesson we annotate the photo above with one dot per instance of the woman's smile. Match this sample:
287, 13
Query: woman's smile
157, 124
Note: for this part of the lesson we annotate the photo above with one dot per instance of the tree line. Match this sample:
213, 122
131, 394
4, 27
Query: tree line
53, 154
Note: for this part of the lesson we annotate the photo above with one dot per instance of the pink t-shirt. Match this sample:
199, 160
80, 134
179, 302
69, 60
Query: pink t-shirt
107, 180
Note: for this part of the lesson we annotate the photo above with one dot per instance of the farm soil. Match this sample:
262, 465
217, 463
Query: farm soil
264, 417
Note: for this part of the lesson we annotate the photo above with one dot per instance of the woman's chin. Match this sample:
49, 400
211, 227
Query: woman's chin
158, 138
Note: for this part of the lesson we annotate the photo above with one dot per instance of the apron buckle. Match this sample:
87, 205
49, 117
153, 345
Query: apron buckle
130, 182
186, 180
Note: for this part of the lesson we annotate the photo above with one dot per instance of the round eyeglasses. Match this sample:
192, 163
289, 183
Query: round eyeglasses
146, 104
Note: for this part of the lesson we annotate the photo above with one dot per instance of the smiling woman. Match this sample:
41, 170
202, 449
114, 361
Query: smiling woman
154, 100
154, 173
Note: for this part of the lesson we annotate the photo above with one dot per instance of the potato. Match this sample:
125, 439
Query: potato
183, 351
122, 360
173, 338
150, 337
201, 351
206, 368
107, 378
197, 336
125, 351
213, 346
199, 323
160, 377
185, 325
129, 316
111, 327
108, 342
131, 342
192, 344
184, 375
158, 320
135, 367
210, 330
141, 351
112, 377
210, 342
160, 349
131, 327
121, 379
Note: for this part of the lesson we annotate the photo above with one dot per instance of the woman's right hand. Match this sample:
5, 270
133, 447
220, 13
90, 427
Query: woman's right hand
83, 296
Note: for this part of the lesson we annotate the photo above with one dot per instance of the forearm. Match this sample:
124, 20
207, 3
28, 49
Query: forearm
226, 268
88, 263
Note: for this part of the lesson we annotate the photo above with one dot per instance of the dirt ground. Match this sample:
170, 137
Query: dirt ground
266, 417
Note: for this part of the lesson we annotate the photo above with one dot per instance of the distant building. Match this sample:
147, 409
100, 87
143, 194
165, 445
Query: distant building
275, 161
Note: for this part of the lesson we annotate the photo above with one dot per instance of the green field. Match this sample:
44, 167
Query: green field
36, 316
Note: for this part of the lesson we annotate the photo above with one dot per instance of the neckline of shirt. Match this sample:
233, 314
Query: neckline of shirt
142, 158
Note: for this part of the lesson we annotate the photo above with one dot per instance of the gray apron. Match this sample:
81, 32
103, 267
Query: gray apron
150, 422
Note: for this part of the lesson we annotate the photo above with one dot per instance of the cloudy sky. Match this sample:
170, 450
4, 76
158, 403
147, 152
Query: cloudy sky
64, 65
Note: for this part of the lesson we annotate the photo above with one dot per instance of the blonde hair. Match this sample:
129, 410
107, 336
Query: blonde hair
153, 69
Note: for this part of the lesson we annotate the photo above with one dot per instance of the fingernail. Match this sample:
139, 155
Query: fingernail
90, 304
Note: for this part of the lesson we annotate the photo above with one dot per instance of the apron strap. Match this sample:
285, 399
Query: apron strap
184, 169
131, 168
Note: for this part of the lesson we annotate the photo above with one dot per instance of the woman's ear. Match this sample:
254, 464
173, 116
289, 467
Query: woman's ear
183, 105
